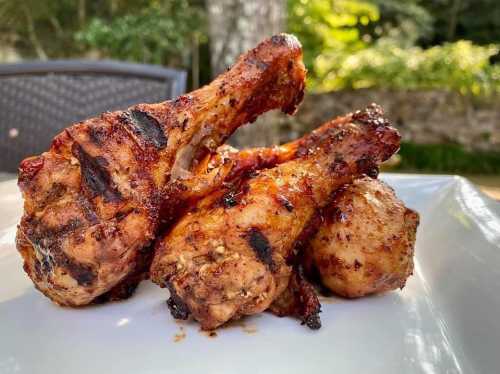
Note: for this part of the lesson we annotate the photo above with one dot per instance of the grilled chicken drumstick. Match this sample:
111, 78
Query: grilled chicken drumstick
228, 256
368, 250
219, 170
93, 201
365, 242
228, 165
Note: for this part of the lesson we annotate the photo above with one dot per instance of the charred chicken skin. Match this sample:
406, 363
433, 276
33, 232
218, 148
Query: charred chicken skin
366, 242
390, 224
218, 170
230, 255
229, 165
93, 202
298, 300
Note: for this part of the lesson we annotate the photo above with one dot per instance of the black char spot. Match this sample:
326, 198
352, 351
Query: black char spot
285, 202
178, 308
373, 173
366, 164
95, 175
357, 265
313, 321
278, 39
261, 65
83, 274
261, 246
234, 196
339, 167
97, 135
147, 127
229, 199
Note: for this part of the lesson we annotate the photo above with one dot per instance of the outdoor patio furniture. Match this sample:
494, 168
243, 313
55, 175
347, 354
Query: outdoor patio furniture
39, 99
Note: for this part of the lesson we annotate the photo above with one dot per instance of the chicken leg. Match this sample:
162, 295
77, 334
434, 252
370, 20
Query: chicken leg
93, 201
230, 255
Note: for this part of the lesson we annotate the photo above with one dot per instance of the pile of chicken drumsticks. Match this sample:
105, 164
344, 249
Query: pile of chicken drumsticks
153, 192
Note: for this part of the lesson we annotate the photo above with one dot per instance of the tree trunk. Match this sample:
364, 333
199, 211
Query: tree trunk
452, 26
30, 23
195, 62
81, 13
236, 26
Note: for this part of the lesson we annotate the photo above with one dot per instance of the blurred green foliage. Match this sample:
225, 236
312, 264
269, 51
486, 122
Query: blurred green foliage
360, 44
41, 29
150, 31
156, 33
447, 158
460, 66
347, 43
325, 25
406, 22
474, 20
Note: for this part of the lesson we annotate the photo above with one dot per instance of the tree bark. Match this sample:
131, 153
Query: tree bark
236, 26
30, 23
81, 13
452, 26
195, 62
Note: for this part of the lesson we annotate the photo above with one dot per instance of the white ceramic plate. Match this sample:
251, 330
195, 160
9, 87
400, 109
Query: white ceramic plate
446, 320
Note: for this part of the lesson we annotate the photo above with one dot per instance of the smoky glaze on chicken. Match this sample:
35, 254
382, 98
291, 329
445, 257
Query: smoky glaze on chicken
152, 191
93, 201
229, 256
366, 241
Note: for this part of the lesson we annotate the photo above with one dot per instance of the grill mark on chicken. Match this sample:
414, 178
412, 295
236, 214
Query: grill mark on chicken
261, 246
146, 126
56, 191
118, 163
38, 232
84, 274
95, 175
128, 286
88, 209
373, 172
308, 182
50, 239
339, 166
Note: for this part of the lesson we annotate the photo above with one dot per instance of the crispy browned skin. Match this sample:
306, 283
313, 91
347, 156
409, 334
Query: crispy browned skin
299, 300
228, 256
365, 243
228, 165
93, 201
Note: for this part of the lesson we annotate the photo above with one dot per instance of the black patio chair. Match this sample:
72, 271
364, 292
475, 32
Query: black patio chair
39, 99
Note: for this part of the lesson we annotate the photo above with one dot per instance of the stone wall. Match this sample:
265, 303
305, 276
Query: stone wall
421, 117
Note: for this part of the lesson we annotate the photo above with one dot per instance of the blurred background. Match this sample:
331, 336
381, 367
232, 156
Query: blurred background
433, 65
